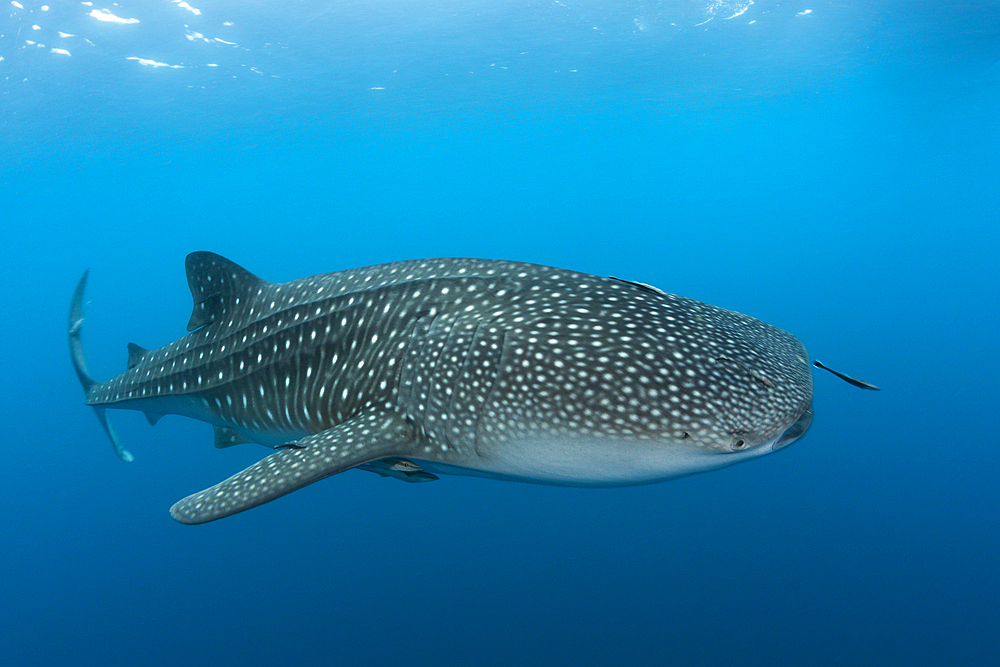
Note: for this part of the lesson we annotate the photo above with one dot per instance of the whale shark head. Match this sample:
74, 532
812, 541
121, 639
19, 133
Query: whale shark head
703, 377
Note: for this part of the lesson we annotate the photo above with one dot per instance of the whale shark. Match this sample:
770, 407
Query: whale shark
488, 368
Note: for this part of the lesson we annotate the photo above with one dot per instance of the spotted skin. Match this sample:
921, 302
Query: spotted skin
461, 366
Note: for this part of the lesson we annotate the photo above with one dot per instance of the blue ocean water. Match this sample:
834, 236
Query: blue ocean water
829, 167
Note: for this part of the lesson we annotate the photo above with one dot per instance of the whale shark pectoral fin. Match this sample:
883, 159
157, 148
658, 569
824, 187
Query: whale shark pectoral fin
367, 437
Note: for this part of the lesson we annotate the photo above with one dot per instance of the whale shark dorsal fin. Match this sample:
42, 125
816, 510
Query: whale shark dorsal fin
135, 353
216, 284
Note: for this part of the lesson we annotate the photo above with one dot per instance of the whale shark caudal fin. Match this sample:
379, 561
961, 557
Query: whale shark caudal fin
80, 365
365, 438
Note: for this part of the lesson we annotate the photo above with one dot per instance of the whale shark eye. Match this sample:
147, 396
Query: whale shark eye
739, 444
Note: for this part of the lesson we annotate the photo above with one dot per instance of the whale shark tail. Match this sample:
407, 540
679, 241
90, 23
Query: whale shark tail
80, 365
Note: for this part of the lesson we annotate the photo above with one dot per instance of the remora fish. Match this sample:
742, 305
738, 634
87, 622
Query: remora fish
460, 366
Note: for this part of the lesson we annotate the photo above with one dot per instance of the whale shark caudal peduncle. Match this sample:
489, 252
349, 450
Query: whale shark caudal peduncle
459, 366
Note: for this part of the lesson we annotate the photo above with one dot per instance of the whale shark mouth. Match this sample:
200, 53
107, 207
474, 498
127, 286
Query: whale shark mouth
796, 430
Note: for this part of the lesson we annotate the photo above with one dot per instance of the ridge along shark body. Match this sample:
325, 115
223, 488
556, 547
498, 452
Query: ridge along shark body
459, 366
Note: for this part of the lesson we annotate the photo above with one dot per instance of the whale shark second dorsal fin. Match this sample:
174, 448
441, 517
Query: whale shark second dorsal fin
135, 354
216, 283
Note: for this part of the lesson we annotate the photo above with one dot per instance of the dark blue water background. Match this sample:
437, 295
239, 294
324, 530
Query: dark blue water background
835, 173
